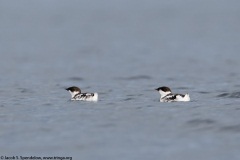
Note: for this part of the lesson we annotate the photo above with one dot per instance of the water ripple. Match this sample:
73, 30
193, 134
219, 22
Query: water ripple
128, 99
198, 122
76, 79
138, 77
232, 128
230, 95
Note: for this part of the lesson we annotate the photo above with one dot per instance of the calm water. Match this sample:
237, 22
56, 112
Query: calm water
123, 50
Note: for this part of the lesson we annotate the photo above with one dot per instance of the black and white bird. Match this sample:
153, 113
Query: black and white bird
166, 95
78, 96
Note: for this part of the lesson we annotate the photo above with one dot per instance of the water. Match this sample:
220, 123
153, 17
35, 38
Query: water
123, 50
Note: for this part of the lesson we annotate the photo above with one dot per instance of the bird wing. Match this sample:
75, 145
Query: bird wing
170, 97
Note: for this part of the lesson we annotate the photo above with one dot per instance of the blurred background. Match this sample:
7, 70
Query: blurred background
118, 38
123, 50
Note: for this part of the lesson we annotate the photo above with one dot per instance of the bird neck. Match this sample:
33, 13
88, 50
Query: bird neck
163, 94
73, 94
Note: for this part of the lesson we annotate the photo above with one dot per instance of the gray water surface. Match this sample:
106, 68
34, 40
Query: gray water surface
123, 50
